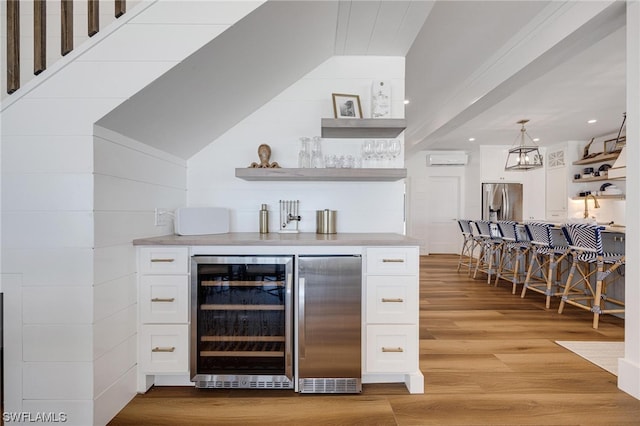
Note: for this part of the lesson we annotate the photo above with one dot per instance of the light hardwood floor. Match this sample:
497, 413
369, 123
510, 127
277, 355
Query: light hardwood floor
488, 357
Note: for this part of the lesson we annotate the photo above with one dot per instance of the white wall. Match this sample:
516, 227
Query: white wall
470, 194
72, 203
130, 181
296, 112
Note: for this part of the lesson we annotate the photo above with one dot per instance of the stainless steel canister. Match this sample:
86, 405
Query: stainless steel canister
326, 221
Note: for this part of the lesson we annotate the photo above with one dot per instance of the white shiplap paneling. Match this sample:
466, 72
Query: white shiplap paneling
58, 343
57, 305
48, 191
47, 154
114, 262
112, 331
57, 380
114, 363
60, 266
362, 207
47, 229
114, 296
154, 42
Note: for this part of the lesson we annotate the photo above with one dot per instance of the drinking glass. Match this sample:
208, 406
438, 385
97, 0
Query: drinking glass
304, 156
382, 152
394, 149
317, 160
368, 151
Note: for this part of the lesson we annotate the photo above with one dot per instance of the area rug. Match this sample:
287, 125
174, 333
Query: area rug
603, 354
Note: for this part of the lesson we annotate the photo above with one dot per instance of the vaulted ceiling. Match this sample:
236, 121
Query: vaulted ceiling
473, 68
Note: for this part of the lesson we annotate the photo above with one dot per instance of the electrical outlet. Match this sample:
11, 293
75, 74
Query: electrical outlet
162, 217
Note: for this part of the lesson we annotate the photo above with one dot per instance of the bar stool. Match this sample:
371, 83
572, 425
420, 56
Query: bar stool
490, 246
469, 244
514, 251
546, 256
585, 241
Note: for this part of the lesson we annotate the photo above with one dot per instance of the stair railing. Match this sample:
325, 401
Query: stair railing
40, 33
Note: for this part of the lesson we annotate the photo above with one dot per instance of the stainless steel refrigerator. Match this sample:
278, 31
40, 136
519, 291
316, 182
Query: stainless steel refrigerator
329, 324
502, 201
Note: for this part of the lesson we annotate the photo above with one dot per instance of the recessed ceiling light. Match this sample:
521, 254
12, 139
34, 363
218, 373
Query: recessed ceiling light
593, 120
406, 101
536, 139
472, 139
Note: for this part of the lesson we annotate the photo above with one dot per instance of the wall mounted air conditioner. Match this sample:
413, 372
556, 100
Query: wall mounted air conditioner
448, 158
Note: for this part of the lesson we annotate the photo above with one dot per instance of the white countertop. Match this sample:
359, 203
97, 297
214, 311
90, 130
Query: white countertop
277, 239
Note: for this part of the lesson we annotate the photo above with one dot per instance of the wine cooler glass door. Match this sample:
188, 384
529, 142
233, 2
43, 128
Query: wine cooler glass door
241, 321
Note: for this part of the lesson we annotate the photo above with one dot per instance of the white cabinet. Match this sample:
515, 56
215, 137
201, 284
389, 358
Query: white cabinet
559, 174
391, 315
163, 309
392, 349
492, 161
533, 199
556, 194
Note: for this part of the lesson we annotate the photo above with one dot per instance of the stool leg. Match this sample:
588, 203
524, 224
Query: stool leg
529, 271
567, 286
500, 267
598, 296
480, 256
516, 268
550, 275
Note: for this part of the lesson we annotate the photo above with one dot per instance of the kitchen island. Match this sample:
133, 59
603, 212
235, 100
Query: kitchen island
389, 298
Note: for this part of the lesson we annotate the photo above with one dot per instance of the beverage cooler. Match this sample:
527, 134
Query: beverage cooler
241, 325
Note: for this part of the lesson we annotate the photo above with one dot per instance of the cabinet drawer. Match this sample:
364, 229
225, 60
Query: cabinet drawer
392, 348
164, 349
392, 300
392, 261
164, 299
164, 260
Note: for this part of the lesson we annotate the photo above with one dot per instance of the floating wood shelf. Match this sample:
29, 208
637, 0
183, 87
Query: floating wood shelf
597, 159
372, 175
596, 179
362, 127
604, 197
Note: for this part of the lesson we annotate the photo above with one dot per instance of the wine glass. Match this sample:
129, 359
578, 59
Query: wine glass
382, 152
368, 151
394, 149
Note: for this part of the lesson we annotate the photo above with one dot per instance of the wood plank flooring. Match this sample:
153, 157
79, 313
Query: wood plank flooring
488, 357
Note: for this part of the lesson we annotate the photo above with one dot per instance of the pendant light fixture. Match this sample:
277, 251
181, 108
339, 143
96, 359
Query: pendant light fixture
523, 157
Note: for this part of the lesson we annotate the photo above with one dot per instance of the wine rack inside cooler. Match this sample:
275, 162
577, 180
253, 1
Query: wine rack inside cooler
241, 333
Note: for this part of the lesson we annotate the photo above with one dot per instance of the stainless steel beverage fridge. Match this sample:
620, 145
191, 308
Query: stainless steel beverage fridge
242, 322
329, 324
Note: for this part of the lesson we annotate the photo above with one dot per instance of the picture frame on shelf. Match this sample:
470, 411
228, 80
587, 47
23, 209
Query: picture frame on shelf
346, 106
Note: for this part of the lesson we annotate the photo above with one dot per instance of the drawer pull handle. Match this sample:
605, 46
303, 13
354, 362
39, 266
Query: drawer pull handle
392, 260
160, 299
388, 300
159, 349
392, 349
162, 260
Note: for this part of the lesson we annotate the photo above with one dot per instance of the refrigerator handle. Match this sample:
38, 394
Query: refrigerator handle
288, 343
505, 204
301, 318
